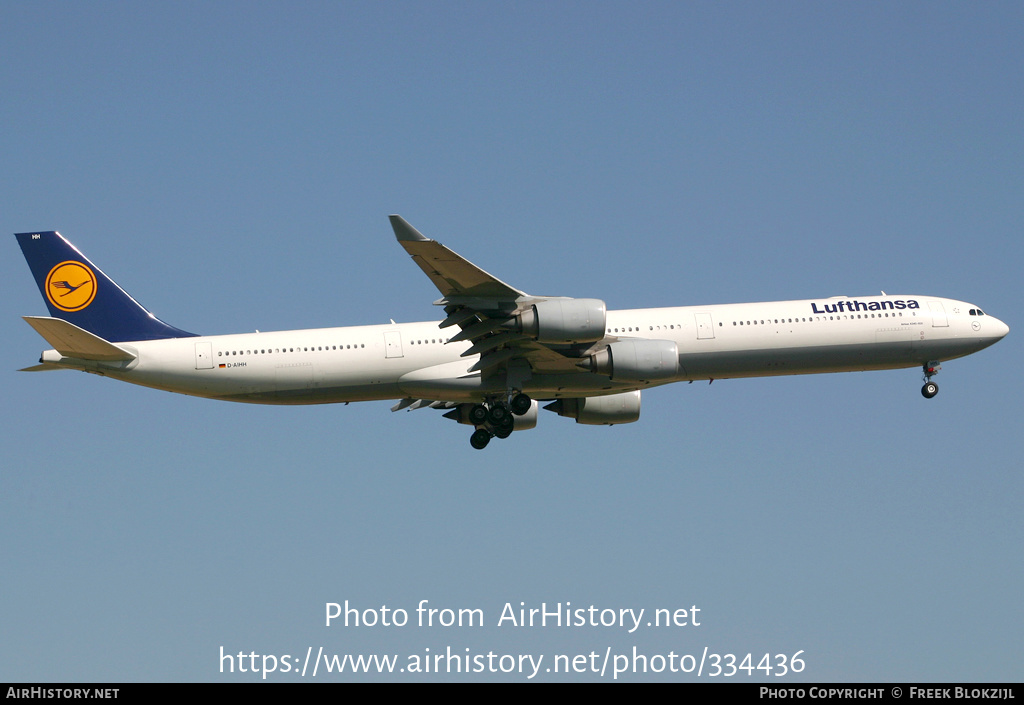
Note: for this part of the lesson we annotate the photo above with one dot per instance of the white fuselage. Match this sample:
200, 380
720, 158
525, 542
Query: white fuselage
413, 360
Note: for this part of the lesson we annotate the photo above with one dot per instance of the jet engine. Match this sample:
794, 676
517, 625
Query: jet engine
636, 360
600, 411
563, 321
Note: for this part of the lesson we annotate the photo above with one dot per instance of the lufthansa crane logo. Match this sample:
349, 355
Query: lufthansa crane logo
70, 286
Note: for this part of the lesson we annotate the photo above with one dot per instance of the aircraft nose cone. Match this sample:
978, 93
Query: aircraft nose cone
991, 327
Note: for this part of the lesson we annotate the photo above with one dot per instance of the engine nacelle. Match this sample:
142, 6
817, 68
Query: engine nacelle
637, 360
527, 420
564, 321
600, 411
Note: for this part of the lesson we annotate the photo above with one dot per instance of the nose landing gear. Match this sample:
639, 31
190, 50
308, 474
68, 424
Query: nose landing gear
930, 389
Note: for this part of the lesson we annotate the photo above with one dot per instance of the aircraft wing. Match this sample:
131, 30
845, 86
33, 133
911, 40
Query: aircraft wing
485, 309
453, 275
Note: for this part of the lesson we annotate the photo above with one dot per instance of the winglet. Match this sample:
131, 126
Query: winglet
404, 231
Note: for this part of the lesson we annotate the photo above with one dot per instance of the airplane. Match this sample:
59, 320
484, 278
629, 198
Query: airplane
499, 351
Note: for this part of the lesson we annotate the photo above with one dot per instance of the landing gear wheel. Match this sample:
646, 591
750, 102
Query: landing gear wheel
506, 427
480, 438
929, 390
504, 431
520, 404
497, 414
478, 414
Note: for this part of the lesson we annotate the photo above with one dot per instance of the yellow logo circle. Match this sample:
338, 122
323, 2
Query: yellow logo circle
70, 286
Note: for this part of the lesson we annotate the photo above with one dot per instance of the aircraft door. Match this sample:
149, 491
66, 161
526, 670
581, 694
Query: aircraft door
204, 356
705, 328
938, 314
393, 343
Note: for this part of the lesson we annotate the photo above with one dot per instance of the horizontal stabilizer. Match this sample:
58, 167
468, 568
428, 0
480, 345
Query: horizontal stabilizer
43, 367
71, 341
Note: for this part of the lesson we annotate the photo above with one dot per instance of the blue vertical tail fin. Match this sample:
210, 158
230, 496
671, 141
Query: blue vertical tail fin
78, 292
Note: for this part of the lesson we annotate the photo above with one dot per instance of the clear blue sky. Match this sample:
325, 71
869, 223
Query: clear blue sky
232, 166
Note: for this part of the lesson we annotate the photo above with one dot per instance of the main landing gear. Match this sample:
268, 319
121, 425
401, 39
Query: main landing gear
930, 389
496, 417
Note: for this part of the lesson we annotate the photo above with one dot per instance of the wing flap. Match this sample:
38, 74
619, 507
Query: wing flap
413, 404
